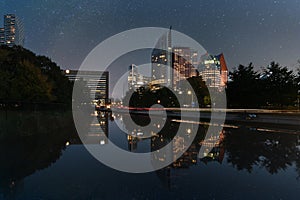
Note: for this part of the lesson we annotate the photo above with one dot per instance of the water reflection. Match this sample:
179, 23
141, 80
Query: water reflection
168, 135
275, 152
34, 141
242, 147
31, 141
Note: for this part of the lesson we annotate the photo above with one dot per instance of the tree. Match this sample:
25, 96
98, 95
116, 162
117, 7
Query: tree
27, 77
243, 90
279, 85
200, 90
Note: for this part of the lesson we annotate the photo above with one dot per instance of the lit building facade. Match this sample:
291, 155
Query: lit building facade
185, 62
135, 79
161, 59
98, 86
13, 31
214, 71
2, 36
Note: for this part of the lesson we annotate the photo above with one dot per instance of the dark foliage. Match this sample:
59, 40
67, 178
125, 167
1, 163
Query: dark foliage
275, 87
30, 78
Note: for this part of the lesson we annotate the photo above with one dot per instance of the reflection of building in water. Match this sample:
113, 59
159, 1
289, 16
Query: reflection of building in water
166, 175
185, 63
132, 143
188, 158
214, 150
135, 136
158, 143
98, 85
213, 70
135, 79
161, 60
178, 144
98, 132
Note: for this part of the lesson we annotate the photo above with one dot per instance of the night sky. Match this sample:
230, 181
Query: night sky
257, 31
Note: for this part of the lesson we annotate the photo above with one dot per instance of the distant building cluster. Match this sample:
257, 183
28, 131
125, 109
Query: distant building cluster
136, 79
170, 65
13, 31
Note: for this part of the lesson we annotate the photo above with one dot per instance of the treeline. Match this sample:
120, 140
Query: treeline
274, 87
26, 77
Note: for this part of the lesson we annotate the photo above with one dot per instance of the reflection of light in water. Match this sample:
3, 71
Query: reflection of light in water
204, 123
97, 124
102, 142
94, 114
212, 155
139, 133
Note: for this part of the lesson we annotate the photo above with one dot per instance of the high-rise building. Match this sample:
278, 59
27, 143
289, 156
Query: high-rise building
224, 70
13, 31
214, 72
185, 62
132, 76
98, 86
2, 36
161, 59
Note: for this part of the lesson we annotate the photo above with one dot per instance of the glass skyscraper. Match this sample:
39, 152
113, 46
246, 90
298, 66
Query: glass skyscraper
161, 60
13, 31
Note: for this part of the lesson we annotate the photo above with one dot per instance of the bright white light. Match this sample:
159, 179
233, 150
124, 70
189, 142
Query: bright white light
102, 142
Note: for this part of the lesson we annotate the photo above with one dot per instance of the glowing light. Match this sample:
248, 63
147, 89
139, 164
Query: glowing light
102, 142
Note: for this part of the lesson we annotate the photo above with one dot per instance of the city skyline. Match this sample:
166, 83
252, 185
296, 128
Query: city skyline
256, 31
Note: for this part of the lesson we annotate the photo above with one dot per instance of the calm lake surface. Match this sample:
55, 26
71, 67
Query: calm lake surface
41, 157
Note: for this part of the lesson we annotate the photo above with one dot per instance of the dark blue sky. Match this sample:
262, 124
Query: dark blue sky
257, 31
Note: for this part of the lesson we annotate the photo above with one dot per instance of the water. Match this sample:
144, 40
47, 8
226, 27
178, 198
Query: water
42, 158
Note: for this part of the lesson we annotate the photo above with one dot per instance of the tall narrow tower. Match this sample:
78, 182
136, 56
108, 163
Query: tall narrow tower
161, 59
13, 30
2, 36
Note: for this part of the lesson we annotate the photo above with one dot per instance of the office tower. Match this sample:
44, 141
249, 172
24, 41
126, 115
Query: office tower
2, 36
161, 59
214, 72
185, 62
224, 70
98, 86
13, 30
132, 76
